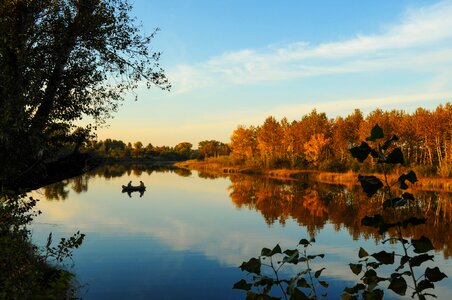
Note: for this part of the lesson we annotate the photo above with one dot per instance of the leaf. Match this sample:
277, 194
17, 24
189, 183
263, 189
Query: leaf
266, 252
411, 177
393, 203
242, 285
375, 134
389, 141
395, 157
398, 285
370, 184
413, 221
434, 274
323, 283
317, 273
425, 284
407, 196
361, 152
403, 260
298, 295
303, 283
356, 268
416, 261
362, 253
373, 295
292, 257
303, 242
252, 266
384, 257
275, 250
422, 245
355, 289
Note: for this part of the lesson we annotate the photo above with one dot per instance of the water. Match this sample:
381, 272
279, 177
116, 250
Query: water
185, 237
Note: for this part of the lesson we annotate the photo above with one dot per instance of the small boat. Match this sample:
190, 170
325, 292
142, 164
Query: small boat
132, 188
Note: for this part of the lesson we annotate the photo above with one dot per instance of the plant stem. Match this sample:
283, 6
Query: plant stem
310, 276
277, 278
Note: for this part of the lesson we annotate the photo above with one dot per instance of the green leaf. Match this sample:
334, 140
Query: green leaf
422, 245
242, 285
411, 177
304, 242
425, 284
395, 157
384, 257
275, 250
303, 283
361, 152
420, 259
398, 285
375, 134
317, 273
292, 257
298, 295
373, 295
434, 274
362, 253
356, 268
266, 252
252, 266
370, 184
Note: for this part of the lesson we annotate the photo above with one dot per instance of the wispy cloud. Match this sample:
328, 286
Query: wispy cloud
422, 39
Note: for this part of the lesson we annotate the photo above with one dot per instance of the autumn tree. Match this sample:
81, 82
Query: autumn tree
183, 149
269, 141
243, 142
61, 61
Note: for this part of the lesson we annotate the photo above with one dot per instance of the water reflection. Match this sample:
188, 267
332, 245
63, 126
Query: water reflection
313, 205
186, 229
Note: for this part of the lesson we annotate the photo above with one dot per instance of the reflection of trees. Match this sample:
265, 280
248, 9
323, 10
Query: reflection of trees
79, 184
313, 205
56, 191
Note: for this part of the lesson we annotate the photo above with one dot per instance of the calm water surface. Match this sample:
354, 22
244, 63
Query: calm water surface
185, 237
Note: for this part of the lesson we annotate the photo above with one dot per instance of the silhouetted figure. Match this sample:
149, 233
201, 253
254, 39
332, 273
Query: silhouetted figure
141, 184
129, 184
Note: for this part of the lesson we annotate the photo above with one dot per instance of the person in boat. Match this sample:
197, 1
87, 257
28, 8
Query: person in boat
129, 185
141, 184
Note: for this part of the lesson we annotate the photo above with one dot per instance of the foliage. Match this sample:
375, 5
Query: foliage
414, 253
314, 141
302, 285
62, 61
26, 273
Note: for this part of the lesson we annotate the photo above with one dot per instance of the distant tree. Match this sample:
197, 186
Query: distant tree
208, 148
183, 149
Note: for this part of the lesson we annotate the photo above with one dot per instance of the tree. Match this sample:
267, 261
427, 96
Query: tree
183, 149
64, 60
243, 142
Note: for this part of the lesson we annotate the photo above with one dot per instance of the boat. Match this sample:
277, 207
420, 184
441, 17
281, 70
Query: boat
132, 188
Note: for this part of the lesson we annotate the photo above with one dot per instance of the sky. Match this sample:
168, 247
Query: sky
234, 62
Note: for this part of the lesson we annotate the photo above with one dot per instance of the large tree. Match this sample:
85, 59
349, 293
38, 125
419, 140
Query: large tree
63, 60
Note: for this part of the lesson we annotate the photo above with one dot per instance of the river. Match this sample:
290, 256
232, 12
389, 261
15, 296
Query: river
186, 235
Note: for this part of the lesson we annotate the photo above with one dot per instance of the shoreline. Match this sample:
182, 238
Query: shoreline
348, 178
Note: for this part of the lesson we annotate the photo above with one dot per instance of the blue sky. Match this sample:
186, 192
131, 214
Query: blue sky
237, 62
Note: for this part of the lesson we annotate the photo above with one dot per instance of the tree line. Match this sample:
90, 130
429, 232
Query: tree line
316, 142
117, 149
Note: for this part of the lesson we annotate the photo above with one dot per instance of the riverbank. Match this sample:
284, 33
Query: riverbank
348, 178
